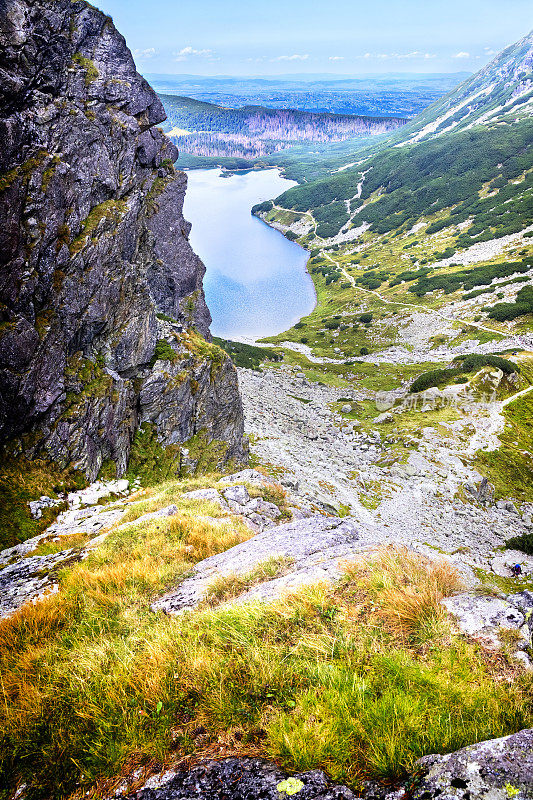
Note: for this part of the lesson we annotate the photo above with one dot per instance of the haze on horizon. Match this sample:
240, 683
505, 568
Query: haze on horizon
343, 37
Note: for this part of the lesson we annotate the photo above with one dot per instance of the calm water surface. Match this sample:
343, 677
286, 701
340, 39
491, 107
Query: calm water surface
256, 283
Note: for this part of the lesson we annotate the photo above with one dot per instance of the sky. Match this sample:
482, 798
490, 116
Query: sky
348, 37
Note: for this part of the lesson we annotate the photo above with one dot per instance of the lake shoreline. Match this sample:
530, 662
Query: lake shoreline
257, 285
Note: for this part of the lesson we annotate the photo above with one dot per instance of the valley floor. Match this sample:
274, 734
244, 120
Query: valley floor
299, 431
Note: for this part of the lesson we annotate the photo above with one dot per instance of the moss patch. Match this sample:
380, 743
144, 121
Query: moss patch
110, 210
163, 352
23, 171
91, 73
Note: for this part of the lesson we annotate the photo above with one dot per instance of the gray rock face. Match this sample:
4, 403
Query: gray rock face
92, 244
31, 578
238, 779
491, 619
314, 547
498, 769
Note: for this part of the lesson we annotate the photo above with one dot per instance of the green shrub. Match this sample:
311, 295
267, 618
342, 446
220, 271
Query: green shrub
465, 365
468, 278
474, 362
509, 311
436, 377
444, 173
264, 207
523, 543
366, 318
246, 355
163, 352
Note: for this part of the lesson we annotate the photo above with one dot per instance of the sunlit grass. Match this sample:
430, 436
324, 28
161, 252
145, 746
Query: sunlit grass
359, 679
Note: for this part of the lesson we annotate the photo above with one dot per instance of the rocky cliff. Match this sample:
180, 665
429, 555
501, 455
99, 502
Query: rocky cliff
103, 322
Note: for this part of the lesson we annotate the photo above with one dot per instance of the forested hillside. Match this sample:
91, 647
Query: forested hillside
470, 176
458, 163
204, 129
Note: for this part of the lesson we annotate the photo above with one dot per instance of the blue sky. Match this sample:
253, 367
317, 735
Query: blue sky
269, 37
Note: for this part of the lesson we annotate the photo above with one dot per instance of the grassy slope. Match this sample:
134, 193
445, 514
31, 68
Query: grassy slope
360, 679
510, 467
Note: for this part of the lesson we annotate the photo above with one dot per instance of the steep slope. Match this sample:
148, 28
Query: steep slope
93, 244
503, 90
458, 163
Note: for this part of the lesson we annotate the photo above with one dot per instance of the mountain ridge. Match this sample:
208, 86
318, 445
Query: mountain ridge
94, 248
506, 80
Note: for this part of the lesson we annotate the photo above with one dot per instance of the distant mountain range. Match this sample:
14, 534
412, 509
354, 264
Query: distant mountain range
466, 161
391, 95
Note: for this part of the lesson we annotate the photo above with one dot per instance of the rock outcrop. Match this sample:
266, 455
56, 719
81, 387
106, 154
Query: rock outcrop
239, 779
499, 769
93, 245
313, 548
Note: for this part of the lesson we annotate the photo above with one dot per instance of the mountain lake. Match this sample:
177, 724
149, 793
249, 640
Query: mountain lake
256, 283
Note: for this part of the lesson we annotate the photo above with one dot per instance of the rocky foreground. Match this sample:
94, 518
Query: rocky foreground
499, 769
311, 548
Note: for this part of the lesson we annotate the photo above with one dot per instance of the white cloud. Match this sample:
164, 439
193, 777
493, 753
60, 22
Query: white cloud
294, 57
489, 51
148, 52
461, 54
400, 56
187, 52
336, 58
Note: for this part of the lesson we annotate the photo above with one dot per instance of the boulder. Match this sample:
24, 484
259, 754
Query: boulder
238, 779
259, 506
487, 618
312, 548
498, 769
237, 494
210, 495
246, 476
